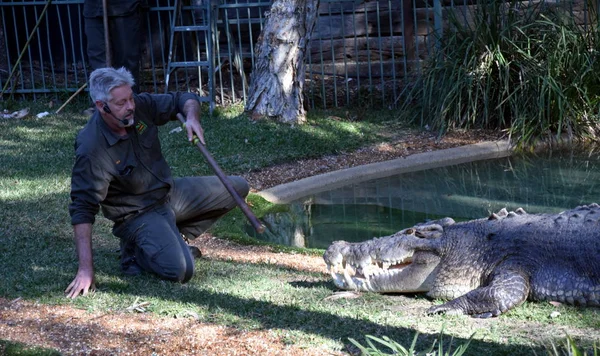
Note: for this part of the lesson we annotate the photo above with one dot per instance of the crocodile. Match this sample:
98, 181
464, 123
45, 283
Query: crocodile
481, 267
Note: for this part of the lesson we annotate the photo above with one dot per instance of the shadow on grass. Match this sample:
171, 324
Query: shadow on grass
293, 318
38, 148
313, 284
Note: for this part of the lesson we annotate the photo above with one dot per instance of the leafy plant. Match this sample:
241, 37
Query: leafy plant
528, 69
570, 349
398, 349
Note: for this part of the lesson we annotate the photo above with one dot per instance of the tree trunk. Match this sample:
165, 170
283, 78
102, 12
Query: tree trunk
277, 80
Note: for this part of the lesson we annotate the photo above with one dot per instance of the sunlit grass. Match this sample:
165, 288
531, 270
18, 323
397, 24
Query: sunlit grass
16, 188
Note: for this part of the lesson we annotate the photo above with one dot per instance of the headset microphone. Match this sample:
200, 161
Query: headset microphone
107, 110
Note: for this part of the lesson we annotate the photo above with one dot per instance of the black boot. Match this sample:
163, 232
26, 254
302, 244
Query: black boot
128, 264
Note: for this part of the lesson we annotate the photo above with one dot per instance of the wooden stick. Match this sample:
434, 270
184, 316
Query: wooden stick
72, 96
258, 226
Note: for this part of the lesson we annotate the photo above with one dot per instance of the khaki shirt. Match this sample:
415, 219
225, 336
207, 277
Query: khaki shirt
123, 175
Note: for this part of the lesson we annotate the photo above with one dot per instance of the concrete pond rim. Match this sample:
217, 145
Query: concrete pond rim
289, 192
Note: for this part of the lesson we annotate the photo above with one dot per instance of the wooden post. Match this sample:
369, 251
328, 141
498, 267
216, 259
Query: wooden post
408, 29
106, 33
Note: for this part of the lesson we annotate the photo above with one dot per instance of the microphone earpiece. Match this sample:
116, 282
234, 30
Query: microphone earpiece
106, 109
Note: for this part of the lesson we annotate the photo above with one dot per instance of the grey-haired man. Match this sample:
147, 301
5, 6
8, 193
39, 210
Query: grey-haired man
119, 167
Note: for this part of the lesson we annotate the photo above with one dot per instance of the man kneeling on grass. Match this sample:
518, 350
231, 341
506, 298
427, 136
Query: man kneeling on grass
119, 166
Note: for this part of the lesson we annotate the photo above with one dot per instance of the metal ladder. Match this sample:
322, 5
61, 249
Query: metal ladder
201, 26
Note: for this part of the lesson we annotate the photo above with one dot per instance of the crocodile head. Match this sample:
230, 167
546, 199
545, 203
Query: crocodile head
405, 262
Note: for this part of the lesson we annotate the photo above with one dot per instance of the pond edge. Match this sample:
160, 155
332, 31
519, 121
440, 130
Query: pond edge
289, 192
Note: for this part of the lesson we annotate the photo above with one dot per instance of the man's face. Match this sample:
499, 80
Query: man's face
122, 104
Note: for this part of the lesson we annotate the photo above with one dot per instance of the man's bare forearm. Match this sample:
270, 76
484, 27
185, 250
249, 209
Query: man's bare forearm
84, 280
83, 242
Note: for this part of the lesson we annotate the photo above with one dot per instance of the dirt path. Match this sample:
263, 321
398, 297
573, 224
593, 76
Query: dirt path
77, 332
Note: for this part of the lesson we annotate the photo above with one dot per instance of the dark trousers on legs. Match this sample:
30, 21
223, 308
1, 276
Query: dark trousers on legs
125, 41
200, 201
154, 236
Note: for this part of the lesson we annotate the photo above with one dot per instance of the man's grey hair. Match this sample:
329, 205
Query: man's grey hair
103, 80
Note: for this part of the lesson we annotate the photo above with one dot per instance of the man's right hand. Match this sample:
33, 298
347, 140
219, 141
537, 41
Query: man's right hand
84, 280
82, 284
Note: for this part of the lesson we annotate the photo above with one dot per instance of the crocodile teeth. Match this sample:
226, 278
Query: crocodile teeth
349, 281
374, 269
338, 268
366, 271
520, 211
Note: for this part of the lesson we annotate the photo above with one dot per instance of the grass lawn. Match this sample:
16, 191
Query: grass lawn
38, 256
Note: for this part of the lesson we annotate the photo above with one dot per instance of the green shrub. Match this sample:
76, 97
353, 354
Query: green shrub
526, 69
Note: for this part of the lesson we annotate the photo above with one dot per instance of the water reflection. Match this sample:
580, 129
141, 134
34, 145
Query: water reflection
551, 182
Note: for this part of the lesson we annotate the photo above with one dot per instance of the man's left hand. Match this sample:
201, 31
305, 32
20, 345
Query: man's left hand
191, 109
193, 127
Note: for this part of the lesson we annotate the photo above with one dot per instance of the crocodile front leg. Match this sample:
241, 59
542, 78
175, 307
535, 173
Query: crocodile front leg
507, 289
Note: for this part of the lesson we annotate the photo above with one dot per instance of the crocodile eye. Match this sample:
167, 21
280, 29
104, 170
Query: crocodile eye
410, 231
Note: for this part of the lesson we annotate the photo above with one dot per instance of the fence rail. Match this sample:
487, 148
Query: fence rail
359, 50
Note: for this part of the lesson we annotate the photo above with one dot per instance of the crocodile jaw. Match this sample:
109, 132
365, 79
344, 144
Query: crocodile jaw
408, 275
405, 262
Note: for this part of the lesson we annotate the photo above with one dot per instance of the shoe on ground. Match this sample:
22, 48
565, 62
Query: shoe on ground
129, 267
195, 251
132, 270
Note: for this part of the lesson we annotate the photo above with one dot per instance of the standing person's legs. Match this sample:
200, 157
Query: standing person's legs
156, 244
126, 44
198, 202
96, 48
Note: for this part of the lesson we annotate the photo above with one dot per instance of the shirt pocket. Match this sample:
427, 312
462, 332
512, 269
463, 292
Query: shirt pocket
149, 137
127, 178
150, 145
